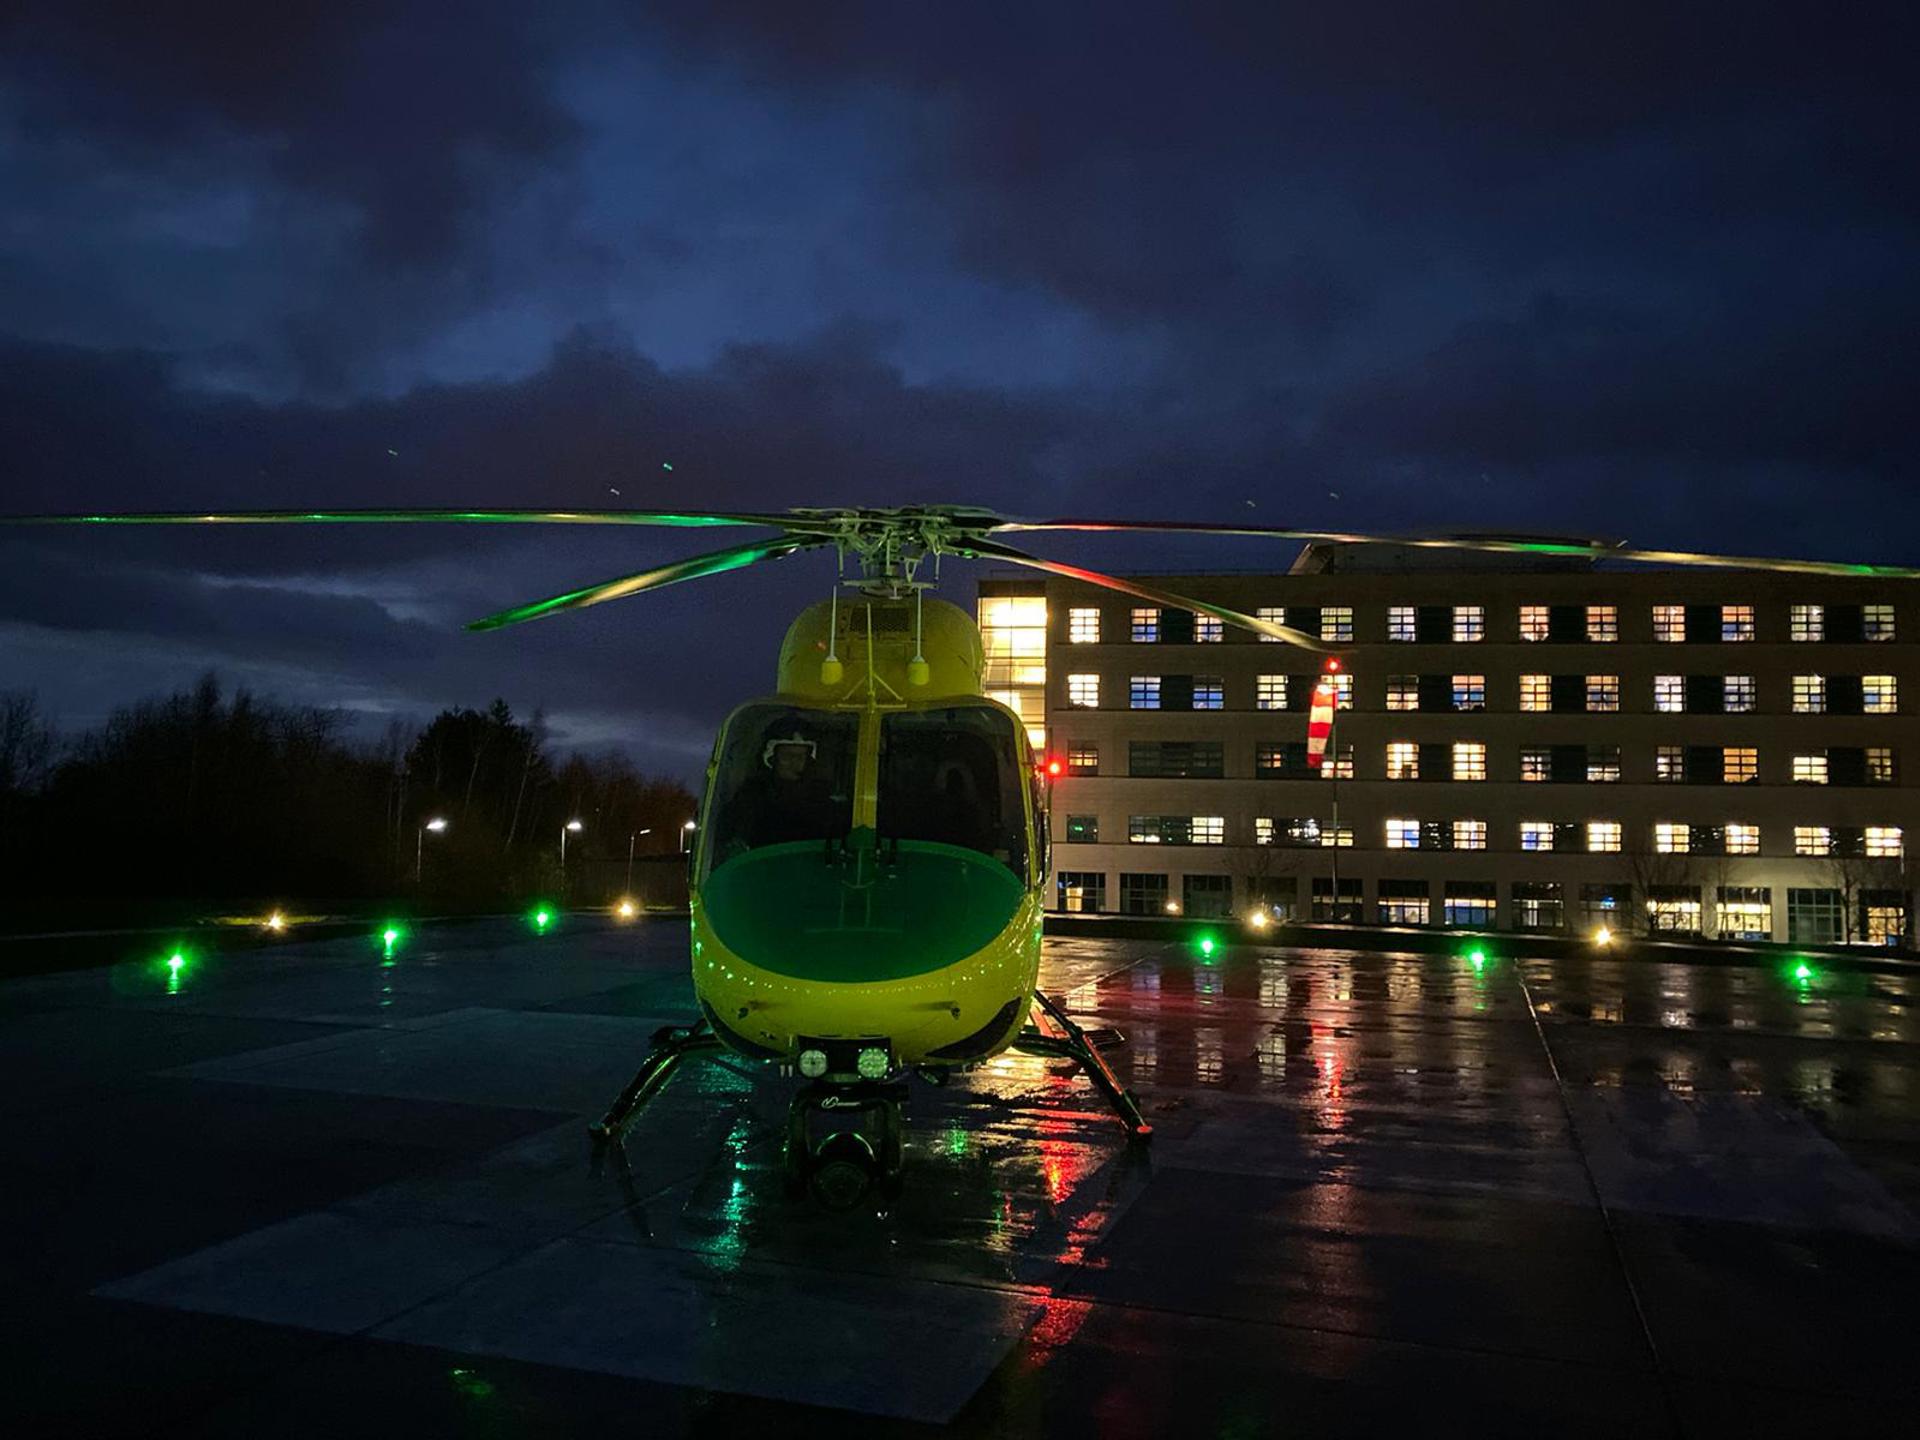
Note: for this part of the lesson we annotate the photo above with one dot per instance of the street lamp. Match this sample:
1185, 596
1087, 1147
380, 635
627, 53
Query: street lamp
436, 825
572, 827
630, 839
686, 837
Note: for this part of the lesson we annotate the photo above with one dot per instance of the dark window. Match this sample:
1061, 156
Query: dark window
1143, 894
1176, 627
1083, 829
1706, 694
1844, 695
1567, 624
1434, 624
1207, 897
1569, 692
1176, 759
1282, 761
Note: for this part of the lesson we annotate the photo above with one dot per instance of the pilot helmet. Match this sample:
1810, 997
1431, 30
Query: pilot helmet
766, 754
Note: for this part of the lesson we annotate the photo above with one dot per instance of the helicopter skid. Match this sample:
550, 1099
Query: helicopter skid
1069, 1042
671, 1045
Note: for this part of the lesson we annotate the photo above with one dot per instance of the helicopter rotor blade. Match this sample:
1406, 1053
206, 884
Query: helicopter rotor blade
691, 520
989, 549
1504, 545
652, 579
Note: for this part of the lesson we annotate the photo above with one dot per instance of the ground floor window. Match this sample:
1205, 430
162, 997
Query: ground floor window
1083, 892
1813, 917
1208, 897
1404, 902
1883, 917
1537, 905
1607, 904
1143, 894
1278, 894
1744, 912
1673, 909
1470, 903
1349, 910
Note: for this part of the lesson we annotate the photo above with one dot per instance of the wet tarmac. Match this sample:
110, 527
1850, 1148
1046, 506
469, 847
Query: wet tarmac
326, 1189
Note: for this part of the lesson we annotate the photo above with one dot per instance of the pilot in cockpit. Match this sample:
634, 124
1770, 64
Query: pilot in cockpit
788, 798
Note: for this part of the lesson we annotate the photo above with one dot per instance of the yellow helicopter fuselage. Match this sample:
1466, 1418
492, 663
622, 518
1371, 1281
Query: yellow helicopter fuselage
903, 908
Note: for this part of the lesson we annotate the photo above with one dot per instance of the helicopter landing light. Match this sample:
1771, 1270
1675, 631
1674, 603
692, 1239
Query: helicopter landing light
873, 1063
813, 1063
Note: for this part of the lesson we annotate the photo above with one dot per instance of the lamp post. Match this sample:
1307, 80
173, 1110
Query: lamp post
630, 839
686, 837
436, 825
572, 827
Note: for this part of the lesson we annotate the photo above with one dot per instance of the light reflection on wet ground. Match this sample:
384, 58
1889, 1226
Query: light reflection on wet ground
1666, 1184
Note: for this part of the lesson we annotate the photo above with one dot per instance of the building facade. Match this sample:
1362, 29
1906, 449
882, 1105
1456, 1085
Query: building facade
1522, 743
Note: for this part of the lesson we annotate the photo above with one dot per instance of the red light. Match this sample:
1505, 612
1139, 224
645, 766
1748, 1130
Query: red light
1332, 665
1054, 767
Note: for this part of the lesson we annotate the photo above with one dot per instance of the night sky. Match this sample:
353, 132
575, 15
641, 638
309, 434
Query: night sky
1621, 270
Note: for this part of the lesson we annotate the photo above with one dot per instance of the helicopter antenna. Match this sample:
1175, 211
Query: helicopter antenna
918, 672
831, 670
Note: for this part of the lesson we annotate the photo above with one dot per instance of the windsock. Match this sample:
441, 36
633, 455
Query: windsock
1320, 722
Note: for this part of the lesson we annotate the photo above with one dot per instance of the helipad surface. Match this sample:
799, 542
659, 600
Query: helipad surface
309, 1191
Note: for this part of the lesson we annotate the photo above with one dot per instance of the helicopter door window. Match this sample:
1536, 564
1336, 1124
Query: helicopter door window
785, 776
954, 777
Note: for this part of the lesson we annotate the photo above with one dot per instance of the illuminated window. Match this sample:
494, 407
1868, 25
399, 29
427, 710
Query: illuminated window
1880, 765
1673, 909
1403, 692
1469, 834
1738, 694
1403, 760
1209, 692
1883, 841
1336, 622
1603, 692
1603, 622
1670, 693
1403, 834
1536, 692
1273, 615
1336, 835
1176, 830
1208, 630
1743, 839
1809, 694
1145, 624
1533, 622
1876, 622
1739, 765
1469, 692
1812, 840
1670, 623
1736, 622
1603, 837
1263, 830
1143, 692
1469, 622
1603, 764
1083, 691
1083, 626
1670, 762
1810, 769
1536, 763
1402, 623
1807, 622
1270, 692
1879, 694
1536, 835
1671, 839
1469, 760
1343, 691
1083, 759
1338, 764
1209, 830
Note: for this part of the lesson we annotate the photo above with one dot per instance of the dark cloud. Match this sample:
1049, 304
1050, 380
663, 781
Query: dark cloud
1639, 271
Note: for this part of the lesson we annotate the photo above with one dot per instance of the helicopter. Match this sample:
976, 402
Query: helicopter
867, 878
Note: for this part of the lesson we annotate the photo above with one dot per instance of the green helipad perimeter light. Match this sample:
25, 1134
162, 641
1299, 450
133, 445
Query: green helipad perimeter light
1206, 947
391, 934
1803, 972
1477, 958
542, 918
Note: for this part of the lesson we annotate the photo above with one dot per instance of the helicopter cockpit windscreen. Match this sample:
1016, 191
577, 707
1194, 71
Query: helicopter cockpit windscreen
954, 777
786, 774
